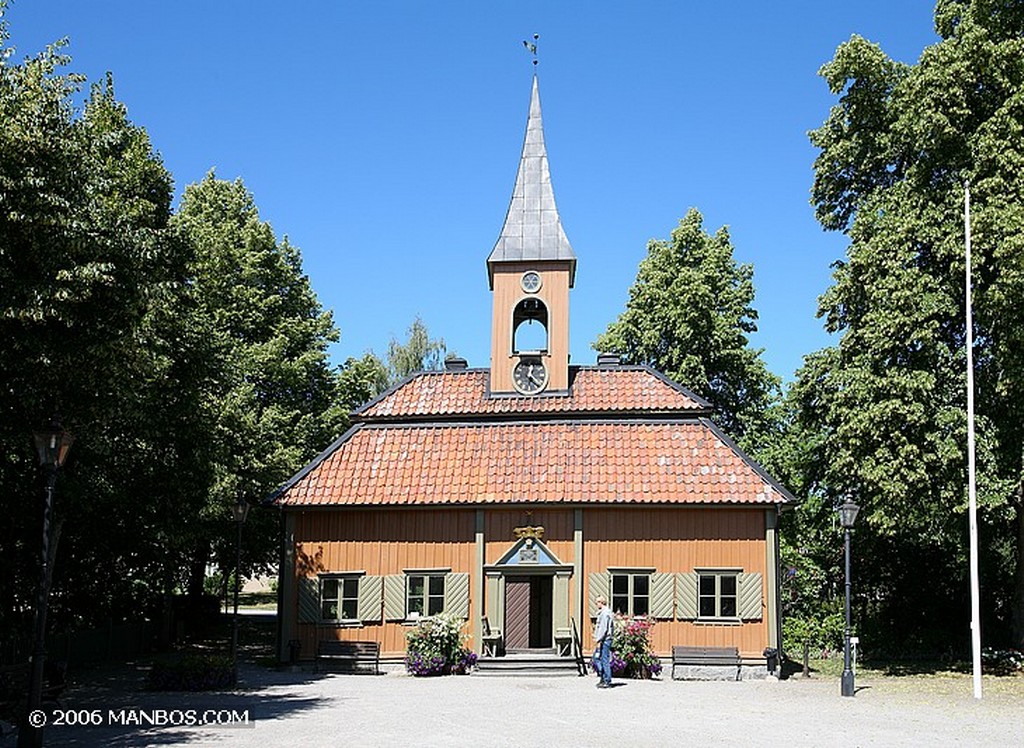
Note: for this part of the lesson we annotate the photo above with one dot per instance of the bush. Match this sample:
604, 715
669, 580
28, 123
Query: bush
437, 646
1002, 661
822, 632
632, 656
192, 673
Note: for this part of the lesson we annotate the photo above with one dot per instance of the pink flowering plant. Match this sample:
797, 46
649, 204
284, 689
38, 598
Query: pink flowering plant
437, 646
632, 655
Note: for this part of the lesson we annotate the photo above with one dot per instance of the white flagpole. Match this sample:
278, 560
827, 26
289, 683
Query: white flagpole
972, 506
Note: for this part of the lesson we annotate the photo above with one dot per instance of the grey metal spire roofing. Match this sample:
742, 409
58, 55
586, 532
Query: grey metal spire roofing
532, 230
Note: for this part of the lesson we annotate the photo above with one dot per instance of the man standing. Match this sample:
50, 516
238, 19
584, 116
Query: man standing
603, 630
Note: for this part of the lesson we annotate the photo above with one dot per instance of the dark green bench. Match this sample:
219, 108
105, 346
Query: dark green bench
348, 656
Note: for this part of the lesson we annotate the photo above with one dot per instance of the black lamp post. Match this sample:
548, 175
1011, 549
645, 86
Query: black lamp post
52, 445
847, 516
240, 511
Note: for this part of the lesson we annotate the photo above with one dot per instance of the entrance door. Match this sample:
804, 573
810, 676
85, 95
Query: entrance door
528, 612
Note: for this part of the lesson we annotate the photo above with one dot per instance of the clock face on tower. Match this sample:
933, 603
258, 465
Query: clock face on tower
529, 376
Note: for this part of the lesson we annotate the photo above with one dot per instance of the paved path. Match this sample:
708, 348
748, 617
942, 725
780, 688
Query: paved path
313, 710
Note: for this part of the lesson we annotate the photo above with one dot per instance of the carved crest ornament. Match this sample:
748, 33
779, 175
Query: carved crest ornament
527, 531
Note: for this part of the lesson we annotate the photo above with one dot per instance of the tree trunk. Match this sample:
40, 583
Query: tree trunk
197, 571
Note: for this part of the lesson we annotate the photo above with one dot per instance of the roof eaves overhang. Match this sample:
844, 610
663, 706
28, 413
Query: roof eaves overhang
274, 499
530, 504
788, 498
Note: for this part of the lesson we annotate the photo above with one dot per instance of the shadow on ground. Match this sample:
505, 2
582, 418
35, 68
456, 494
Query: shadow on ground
117, 693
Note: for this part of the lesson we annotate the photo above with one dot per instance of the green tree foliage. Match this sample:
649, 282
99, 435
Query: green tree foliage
418, 353
188, 357
87, 270
273, 399
689, 316
881, 415
360, 380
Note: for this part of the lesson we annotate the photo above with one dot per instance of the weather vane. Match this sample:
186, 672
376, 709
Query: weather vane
531, 47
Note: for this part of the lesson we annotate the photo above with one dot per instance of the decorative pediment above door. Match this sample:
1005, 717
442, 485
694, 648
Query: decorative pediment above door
526, 552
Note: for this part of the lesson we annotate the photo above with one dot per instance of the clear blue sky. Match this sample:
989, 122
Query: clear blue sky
383, 137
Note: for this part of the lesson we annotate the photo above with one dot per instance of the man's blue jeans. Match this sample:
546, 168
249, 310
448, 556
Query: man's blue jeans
604, 660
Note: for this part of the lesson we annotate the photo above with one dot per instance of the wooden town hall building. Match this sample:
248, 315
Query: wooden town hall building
514, 495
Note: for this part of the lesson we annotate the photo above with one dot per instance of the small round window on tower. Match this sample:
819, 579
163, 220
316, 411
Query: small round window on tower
530, 281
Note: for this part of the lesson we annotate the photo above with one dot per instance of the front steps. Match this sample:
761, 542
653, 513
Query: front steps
543, 663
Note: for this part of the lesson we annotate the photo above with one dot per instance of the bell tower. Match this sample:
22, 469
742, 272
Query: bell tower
530, 270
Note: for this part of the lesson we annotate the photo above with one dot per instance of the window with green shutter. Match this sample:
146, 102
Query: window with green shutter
727, 595
343, 598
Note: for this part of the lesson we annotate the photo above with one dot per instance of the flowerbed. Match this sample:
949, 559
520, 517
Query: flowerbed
632, 655
437, 646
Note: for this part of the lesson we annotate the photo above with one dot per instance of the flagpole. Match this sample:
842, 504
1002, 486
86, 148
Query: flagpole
972, 506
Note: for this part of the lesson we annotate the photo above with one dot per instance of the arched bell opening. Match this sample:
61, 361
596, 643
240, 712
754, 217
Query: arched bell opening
530, 326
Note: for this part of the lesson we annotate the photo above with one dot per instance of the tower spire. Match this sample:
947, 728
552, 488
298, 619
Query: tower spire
533, 229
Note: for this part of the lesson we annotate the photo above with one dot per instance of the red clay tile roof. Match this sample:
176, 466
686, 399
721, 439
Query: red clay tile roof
546, 461
593, 390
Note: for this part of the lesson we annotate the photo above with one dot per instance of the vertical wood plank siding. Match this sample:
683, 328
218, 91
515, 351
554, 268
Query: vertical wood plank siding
680, 540
507, 293
666, 539
380, 542
557, 524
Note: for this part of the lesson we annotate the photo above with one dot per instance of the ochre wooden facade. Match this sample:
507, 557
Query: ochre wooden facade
666, 539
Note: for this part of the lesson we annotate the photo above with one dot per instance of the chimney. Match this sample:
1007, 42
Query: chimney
608, 360
455, 364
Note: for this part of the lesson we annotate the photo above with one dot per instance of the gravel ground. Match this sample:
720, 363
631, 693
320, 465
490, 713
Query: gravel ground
307, 709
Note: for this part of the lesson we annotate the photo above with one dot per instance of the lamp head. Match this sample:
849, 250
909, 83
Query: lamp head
53, 444
848, 513
240, 510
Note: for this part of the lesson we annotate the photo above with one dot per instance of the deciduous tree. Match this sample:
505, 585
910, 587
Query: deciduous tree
689, 315
418, 353
273, 400
886, 405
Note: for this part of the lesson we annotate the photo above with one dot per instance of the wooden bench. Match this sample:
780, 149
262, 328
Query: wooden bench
702, 658
349, 656
490, 639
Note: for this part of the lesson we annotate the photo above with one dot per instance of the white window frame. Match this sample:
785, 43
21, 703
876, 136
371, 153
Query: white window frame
340, 578
427, 575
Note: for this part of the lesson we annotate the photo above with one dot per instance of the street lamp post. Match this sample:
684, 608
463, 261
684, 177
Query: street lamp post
52, 446
847, 516
240, 511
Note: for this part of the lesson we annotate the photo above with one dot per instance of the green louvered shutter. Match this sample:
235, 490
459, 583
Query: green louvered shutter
394, 597
309, 599
456, 594
597, 585
686, 595
663, 591
368, 604
748, 590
